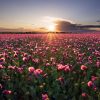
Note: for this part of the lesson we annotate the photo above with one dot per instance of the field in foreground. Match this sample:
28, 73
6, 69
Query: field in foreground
50, 67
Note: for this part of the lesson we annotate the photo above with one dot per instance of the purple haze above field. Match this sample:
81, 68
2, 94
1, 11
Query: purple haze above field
25, 15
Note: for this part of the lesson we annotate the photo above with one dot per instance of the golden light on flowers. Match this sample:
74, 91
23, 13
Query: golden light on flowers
52, 36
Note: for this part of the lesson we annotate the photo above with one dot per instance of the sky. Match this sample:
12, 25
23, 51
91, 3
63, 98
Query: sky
31, 14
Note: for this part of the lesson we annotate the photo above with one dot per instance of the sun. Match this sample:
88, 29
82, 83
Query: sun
49, 23
51, 27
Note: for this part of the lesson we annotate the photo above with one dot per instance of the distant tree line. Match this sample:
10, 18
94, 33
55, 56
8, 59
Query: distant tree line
38, 32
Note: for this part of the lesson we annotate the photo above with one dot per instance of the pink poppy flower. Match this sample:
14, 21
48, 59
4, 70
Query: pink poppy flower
38, 72
67, 68
1, 67
7, 92
84, 94
90, 84
60, 67
45, 97
93, 78
25, 59
31, 69
1, 86
83, 67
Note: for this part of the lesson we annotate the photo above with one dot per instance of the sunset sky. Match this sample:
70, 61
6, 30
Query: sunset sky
35, 14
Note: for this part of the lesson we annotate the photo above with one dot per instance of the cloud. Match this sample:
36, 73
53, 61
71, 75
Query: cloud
98, 21
65, 25
4, 29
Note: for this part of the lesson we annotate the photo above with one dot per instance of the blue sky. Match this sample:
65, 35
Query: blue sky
27, 13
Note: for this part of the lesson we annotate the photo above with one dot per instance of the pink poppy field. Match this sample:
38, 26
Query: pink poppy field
50, 66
